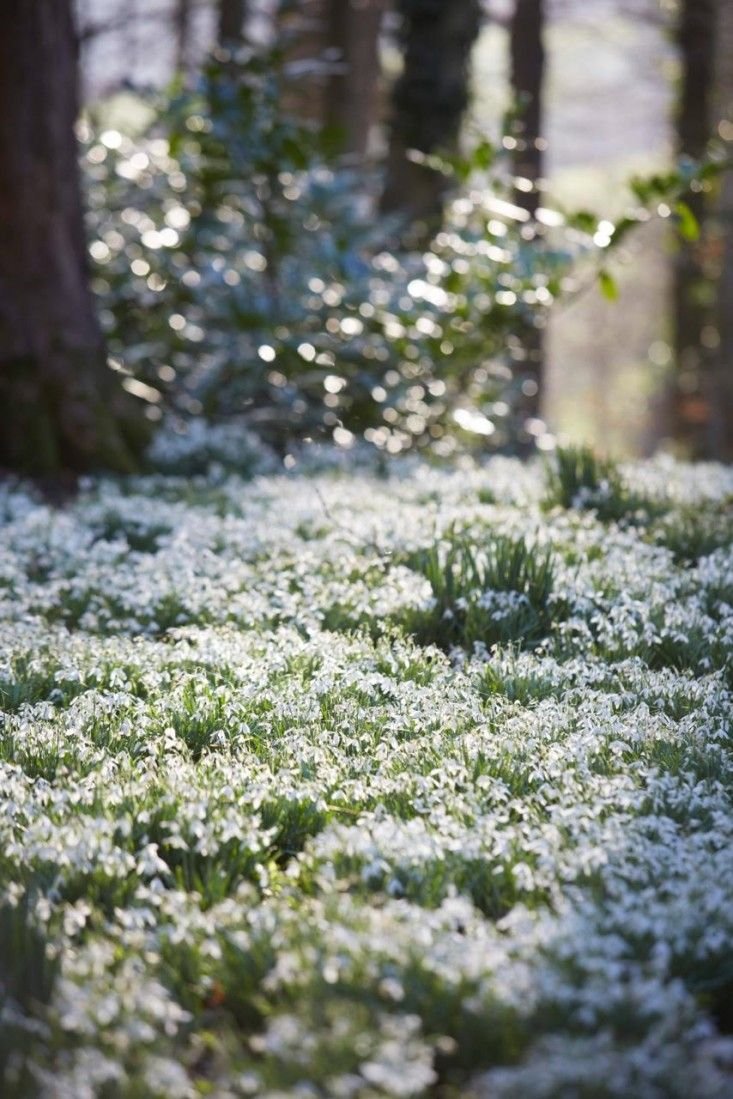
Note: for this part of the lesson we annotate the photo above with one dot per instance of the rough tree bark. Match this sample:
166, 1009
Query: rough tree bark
690, 409
428, 103
351, 102
61, 407
527, 54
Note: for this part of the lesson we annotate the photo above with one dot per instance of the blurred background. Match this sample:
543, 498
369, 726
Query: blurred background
405, 224
612, 82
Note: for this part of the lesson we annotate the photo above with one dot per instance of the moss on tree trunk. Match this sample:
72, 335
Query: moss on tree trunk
69, 420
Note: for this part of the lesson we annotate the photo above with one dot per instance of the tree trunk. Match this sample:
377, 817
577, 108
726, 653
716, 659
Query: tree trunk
428, 103
721, 388
527, 75
721, 373
182, 17
690, 412
61, 406
231, 21
303, 29
331, 53
351, 105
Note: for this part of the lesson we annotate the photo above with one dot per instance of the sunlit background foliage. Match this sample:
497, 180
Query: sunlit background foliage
241, 272
245, 273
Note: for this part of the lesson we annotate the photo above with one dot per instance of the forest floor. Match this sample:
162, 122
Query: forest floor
359, 786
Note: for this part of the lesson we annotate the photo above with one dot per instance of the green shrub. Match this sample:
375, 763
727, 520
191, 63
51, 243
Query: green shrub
242, 273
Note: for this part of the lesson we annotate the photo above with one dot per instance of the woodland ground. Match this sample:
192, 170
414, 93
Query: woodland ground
346, 785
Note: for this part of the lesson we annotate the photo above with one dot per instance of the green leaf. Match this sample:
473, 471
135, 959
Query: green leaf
687, 223
623, 227
641, 189
484, 155
608, 285
584, 220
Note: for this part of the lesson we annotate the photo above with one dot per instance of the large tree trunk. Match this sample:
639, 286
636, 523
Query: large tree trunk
527, 75
428, 103
60, 404
690, 411
351, 105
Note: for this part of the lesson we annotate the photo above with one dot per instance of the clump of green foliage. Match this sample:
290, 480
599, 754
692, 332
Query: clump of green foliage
27, 973
695, 531
507, 678
492, 594
27, 977
580, 478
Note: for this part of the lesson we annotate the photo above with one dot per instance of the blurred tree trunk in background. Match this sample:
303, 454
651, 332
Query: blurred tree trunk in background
332, 55
690, 414
304, 32
351, 97
428, 103
527, 75
182, 18
61, 408
722, 387
231, 21
527, 54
